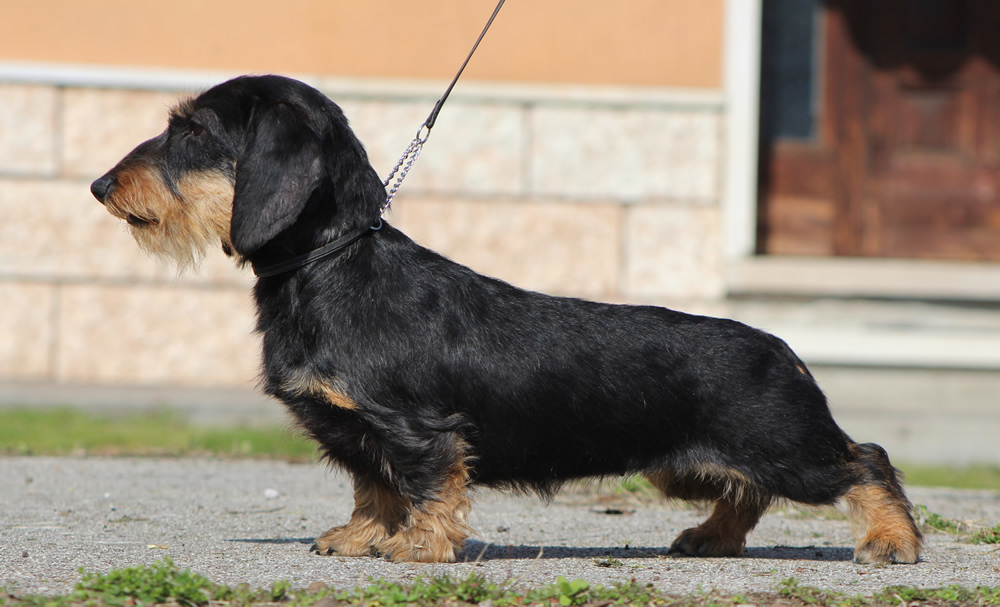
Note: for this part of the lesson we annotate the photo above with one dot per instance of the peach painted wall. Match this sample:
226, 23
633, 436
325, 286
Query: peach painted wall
633, 42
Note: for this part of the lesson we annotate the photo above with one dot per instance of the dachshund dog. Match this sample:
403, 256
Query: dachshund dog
421, 378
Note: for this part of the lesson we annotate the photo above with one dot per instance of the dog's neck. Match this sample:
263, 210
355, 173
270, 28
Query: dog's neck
331, 249
335, 218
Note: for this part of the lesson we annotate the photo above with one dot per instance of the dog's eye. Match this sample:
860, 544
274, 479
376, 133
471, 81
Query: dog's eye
195, 129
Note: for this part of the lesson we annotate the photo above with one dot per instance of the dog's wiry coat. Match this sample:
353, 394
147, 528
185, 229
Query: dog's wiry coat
421, 378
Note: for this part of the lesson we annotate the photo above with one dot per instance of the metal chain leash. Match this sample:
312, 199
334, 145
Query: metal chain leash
405, 162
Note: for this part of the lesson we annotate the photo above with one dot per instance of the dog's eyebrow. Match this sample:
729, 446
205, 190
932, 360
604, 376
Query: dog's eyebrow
177, 121
182, 111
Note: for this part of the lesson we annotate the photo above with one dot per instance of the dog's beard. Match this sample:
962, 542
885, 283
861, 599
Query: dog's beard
180, 230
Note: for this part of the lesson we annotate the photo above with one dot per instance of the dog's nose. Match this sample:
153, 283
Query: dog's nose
101, 187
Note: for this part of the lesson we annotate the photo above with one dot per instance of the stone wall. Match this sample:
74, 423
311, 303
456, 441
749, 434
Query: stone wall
612, 196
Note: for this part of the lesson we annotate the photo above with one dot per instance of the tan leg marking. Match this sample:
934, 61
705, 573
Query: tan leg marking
739, 504
725, 531
378, 513
330, 390
883, 525
435, 530
702, 482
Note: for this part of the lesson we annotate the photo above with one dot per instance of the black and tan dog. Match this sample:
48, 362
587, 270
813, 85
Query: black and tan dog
421, 378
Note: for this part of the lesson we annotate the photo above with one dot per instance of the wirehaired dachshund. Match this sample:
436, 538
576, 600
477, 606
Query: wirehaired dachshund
422, 378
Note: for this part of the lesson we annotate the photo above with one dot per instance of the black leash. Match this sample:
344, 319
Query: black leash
409, 157
413, 150
432, 118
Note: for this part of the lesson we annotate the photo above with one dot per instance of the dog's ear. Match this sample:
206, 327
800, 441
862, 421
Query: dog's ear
280, 168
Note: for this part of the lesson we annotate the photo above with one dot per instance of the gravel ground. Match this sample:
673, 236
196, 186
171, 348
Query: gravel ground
238, 521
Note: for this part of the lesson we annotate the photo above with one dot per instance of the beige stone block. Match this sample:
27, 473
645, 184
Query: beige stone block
57, 230
26, 330
152, 335
474, 148
101, 126
624, 153
28, 129
559, 248
673, 252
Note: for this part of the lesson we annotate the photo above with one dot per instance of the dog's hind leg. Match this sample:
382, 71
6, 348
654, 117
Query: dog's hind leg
739, 504
880, 513
379, 511
725, 531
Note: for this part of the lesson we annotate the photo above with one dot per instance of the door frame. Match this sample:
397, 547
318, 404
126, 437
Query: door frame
741, 92
749, 273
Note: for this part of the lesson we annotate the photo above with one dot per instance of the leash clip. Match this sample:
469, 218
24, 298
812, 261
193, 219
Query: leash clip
423, 133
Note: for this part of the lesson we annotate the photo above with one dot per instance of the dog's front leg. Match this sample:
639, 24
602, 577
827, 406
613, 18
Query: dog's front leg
435, 528
379, 512
419, 515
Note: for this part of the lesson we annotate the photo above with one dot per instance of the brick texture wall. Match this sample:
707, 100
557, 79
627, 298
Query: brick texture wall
610, 198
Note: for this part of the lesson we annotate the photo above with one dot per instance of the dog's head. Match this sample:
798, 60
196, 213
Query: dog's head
253, 162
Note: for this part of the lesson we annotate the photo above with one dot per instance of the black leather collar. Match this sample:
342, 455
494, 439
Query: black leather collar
316, 254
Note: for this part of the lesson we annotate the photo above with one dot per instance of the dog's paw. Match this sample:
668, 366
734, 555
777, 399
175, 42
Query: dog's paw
697, 542
884, 550
341, 541
418, 546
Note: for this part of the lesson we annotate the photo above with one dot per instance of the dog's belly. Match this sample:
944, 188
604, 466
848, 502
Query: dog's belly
547, 441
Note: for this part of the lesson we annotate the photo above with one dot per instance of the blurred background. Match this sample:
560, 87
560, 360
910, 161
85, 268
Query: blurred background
828, 171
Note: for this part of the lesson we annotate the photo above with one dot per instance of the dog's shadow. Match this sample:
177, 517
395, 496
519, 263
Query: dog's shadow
476, 550
277, 540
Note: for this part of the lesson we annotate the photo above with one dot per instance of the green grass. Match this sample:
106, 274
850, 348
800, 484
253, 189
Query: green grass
965, 477
935, 521
67, 431
162, 583
892, 595
973, 534
986, 536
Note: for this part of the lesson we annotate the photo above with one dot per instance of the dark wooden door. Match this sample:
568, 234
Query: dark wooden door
906, 157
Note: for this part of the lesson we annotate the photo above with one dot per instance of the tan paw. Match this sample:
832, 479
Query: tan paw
420, 546
884, 549
343, 541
